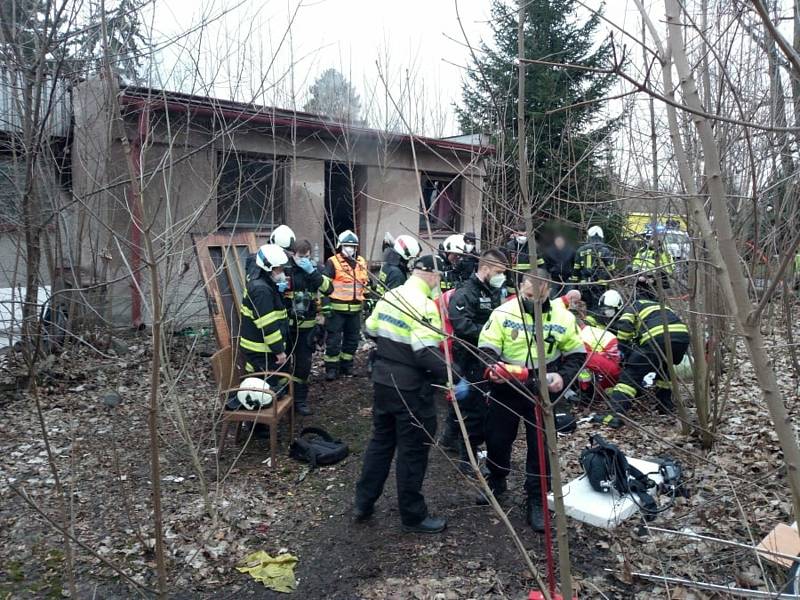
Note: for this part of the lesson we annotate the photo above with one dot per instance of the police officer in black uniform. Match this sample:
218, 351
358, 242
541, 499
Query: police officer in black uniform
468, 310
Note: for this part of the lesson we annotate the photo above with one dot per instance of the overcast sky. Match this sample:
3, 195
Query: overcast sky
421, 38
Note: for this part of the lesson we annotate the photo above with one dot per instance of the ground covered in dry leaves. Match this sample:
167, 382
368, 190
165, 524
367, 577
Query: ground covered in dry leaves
100, 447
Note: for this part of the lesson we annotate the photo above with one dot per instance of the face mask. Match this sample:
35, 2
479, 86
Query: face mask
279, 278
527, 306
521, 239
469, 247
497, 281
349, 251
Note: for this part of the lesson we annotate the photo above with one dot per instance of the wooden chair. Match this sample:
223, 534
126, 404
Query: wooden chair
227, 374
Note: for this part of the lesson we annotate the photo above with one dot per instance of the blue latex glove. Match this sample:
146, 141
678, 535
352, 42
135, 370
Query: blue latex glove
305, 264
461, 390
282, 285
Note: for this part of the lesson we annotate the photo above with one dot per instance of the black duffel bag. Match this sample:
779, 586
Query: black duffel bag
318, 447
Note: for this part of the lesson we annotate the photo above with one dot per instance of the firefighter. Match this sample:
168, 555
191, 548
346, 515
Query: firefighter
469, 262
453, 250
407, 328
349, 276
651, 261
594, 264
396, 259
640, 328
264, 327
468, 310
519, 257
508, 339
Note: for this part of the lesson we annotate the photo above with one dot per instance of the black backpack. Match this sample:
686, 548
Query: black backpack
318, 447
606, 467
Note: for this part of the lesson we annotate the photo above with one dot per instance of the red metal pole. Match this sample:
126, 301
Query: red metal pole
548, 532
136, 221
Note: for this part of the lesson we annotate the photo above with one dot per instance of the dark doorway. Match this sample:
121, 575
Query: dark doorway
342, 190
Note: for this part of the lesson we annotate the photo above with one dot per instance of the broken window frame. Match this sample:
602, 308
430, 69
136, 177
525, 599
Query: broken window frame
224, 281
248, 199
449, 183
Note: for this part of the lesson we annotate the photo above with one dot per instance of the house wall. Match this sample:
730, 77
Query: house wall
180, 200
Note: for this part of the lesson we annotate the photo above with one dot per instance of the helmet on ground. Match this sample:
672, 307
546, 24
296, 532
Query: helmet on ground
595, 231
283, 236
270, 256
455, 244
407, 246
610, 302
254, 393
347, 238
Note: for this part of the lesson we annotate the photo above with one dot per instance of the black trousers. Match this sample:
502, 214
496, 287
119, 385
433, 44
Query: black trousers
474, 409
506, 407
410, 431
344, 333
642, 360
301, 348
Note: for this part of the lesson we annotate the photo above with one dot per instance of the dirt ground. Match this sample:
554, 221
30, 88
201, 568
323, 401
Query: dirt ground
739, 493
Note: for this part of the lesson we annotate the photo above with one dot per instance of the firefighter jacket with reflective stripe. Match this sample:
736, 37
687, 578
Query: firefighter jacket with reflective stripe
520, 256
468, 310
394, 271
509, 335
301, 296
349, 278
594, 261
408, 330
646, 259
264, 326
642, 321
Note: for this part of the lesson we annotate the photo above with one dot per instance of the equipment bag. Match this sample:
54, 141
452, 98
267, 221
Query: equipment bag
318, 447
607, 468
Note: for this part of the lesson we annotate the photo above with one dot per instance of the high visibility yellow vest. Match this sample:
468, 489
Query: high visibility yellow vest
406, 315
511, 335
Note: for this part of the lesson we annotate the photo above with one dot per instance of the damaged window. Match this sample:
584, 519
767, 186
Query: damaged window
441, 199
251, 190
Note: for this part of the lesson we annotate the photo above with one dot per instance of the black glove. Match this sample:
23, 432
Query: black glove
609, 419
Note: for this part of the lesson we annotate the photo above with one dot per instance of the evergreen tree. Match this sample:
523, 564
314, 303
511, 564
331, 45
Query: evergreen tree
564, 129
333, 96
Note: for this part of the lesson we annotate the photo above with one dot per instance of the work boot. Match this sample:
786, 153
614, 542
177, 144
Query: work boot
301, 408
362, 513
664, 403
346, 369
331, 372
498, 488
428, 525
535, 513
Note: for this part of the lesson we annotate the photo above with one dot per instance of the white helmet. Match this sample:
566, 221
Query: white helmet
595, 231
347, 238
269, 256
455, 244
254, 393
283, 236
407, 246
610, 303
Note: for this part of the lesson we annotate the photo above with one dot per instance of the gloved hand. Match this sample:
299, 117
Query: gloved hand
305, 264
609, 419
461, 389
281, 285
